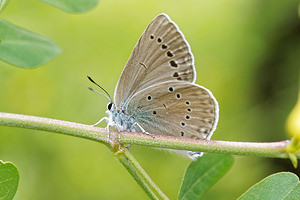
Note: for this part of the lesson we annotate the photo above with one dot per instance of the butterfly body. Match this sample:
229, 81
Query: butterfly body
156, 92
120, 119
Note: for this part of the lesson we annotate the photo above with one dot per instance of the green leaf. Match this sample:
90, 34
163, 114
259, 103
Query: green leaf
283, 185
9, 179
24, 48
3, 4
73, 6
295, 193
202, 174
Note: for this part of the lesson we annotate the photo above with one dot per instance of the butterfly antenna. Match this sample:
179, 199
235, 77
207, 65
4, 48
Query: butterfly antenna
106, 93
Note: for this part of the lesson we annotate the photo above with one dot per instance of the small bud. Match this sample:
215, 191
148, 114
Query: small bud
293, 121
293, 129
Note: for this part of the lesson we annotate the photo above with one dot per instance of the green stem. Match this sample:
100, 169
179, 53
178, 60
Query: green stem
265, 149
136, 176
271, 149
141, 176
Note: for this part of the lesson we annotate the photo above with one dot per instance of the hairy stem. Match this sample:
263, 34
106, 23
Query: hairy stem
268, 149
264, 149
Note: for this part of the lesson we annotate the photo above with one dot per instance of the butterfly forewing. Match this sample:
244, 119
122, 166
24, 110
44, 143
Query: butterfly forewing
175, 108
161, 54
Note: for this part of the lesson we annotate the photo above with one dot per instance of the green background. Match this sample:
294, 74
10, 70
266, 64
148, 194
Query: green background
246, 52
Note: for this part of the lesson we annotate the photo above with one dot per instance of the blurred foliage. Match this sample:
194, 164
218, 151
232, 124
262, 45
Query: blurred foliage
24, 48
73, 6
27, 49
3, 4
246, 53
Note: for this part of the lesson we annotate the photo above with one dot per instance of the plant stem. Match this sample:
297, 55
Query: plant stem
270, 149
141, 176
264, 149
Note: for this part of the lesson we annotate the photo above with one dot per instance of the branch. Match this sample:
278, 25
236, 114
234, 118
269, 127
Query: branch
266, 149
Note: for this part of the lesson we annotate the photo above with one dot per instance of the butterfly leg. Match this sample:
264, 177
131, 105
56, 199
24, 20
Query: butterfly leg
108, 135
103, 118
107, 127
119, 135
143, 130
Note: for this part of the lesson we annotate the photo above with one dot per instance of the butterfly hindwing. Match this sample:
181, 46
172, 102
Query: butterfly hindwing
175, 108
161, 54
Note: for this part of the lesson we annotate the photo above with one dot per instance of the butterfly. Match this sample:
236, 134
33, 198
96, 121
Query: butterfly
156, 92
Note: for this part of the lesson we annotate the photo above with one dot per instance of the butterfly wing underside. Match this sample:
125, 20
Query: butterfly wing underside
177, 109
161, 54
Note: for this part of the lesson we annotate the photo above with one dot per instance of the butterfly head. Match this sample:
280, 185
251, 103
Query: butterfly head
110, 110
109, 105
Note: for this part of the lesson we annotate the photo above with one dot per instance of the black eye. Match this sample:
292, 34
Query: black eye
109, 106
